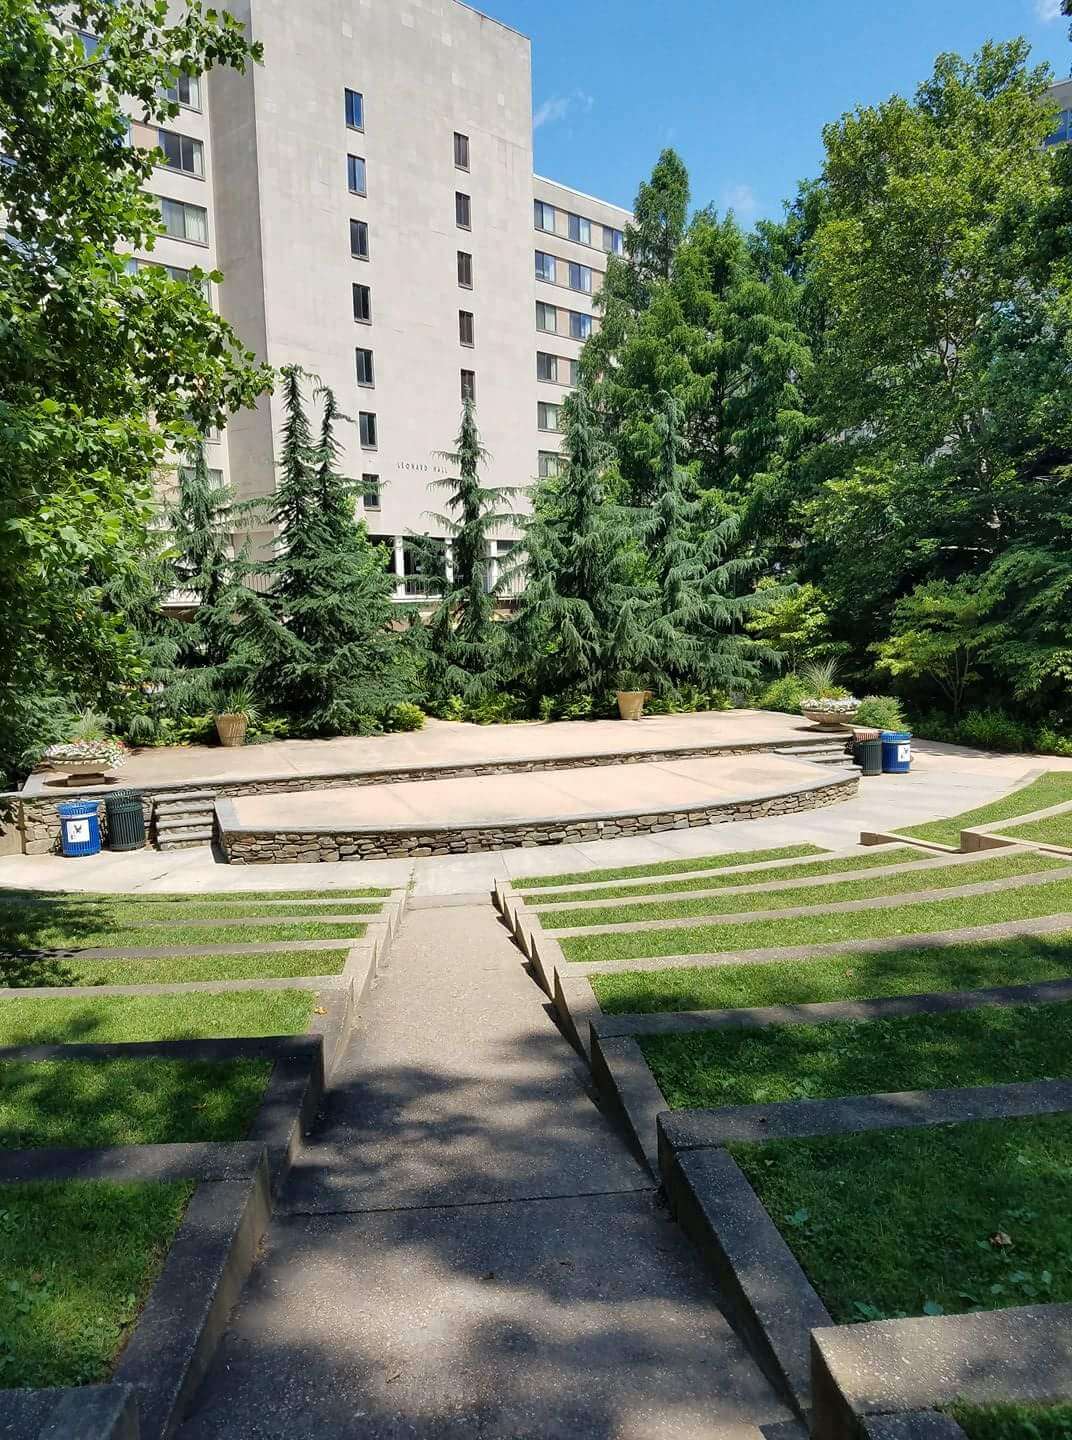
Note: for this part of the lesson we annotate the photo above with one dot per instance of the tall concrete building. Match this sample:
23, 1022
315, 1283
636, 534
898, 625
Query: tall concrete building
369, 194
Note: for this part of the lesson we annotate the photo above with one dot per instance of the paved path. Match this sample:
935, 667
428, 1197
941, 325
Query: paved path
467, 1249
559, 794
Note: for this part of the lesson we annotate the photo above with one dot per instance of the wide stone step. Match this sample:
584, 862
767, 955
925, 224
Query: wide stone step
179, 801
175, 839
180, 819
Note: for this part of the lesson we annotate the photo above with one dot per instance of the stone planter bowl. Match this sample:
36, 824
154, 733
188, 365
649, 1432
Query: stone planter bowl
828, 720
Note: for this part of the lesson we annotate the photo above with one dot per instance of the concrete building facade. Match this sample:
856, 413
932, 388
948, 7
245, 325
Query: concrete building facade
368, 193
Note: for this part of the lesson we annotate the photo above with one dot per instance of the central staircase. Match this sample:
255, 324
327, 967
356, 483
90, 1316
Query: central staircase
185, 819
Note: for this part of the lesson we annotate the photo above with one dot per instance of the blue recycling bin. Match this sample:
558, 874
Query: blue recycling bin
896, 752
79, 827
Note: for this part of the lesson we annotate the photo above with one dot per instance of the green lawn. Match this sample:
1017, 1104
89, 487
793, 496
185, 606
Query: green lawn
668, 867
23, 971
118, 1018
100, 916
1053, 788
196, 897
944, 877
78, 1258
1057, 830
127, 1102
899, 1222
866, 860
1032, 1421
1028, 902
974, 965
987, 1046
24, 934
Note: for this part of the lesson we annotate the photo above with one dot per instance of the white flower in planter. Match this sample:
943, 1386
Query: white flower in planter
848, 706
109, 753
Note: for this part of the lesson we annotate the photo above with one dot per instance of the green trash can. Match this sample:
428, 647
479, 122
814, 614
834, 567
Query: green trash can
125, 820
867, 751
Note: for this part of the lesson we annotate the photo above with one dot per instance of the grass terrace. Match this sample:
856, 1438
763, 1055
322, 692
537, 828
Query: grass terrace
85, 1103
914, 1222
28, 970
21, 935
866, 860
988, 1046
107, 913
118, 1019
1056, 830
193, 897
1052, 788
667, 867
967, 965
998, 867
1038, 1421
78, 1260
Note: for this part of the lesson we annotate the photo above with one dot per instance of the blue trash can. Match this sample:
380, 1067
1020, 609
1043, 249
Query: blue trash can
79, 827
896, 752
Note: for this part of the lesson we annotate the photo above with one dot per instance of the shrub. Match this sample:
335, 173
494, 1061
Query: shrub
405, 716
1051, 742
785, 693
993, 730
820, 681
494, 710
880, 712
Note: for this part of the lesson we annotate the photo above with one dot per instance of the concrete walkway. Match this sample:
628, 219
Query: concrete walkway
467, 1249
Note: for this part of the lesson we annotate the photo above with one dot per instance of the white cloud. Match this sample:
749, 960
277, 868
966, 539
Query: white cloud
741, 199
557, 107
1048, 10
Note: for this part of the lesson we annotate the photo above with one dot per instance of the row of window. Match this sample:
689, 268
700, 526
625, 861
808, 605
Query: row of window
563, 272
548, 416
557, 368
576, 227
182, 152
354, 109
555, 320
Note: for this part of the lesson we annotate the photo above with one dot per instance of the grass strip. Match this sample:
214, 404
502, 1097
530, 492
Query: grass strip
1052, 788
101, 916
1037, 1420
127, 1102
866, 860
668, 867
1001, 866
22, 971
78, 1258
46, 936
1057, 830
109, 1019
974, 965
186, 897
1028, 902
820, 1062
911, 1222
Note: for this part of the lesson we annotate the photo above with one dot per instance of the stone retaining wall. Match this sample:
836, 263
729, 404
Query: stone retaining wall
265, 847
39, 821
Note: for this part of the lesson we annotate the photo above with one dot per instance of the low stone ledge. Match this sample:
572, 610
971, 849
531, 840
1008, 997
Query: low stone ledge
630, 1092
82, 1412
912, 1425
895, 1369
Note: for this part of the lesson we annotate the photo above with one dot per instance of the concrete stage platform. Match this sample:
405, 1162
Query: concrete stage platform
548, 807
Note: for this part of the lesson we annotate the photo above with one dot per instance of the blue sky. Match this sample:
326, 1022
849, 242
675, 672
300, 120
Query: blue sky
741, 88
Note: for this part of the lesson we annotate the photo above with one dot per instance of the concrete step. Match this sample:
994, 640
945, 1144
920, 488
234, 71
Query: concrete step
182, 797
176, 839
180, 819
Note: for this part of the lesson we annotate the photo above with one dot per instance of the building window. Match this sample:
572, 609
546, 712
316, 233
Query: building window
90, 43
182, 152
355, 174
461, 151
186, 92
362, 304
547, 416
365, 374
359, 239
613, 241
544, 216
548, 464
545, 266
580, 229
183, 221
580, 326
546, 366
465, 327
355, 110
366, 429
463, 212
572, 371
580, 277
469, 385
546, 318
370, 492
465, 270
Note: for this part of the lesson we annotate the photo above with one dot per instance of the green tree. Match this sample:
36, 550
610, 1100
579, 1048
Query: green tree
794, 620
330, 660
465, 653
104, 371
937, 635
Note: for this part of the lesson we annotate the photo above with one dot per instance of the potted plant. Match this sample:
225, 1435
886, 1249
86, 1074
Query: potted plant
631, 695
90, 752
236, 711
826, 703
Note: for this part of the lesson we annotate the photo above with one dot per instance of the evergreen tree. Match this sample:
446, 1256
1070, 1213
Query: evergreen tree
581, 567
465, 652
331, 663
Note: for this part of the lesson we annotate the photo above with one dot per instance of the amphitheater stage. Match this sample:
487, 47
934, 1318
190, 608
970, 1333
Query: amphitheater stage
481, 812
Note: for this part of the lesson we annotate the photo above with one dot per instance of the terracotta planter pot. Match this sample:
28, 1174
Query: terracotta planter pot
231, 729
631, 703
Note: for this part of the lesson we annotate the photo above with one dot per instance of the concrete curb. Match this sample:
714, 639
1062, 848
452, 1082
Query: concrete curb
82, 1412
